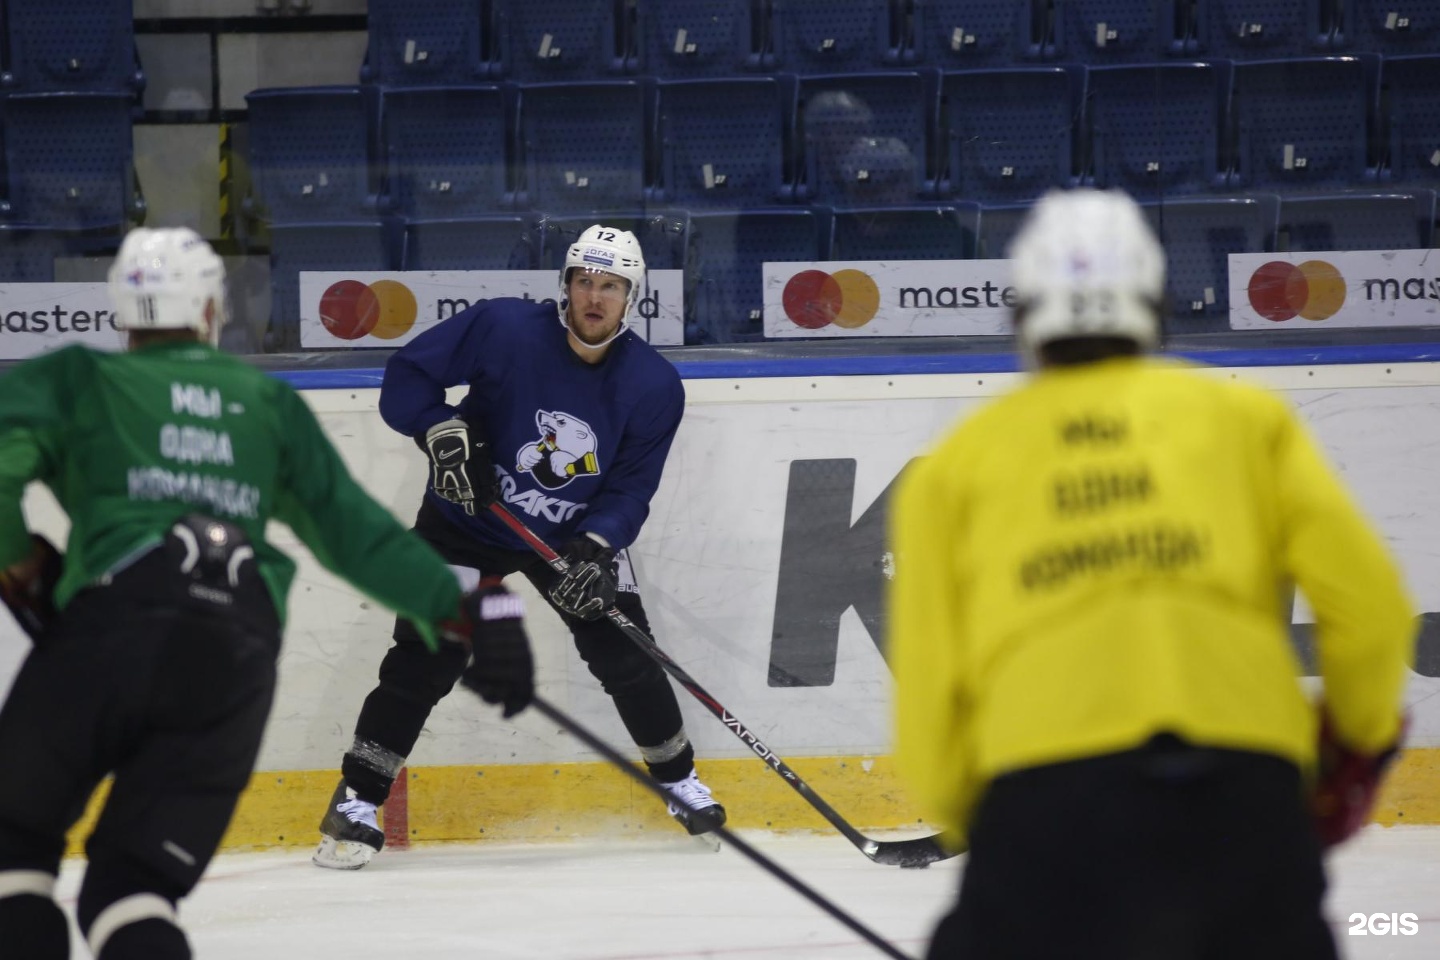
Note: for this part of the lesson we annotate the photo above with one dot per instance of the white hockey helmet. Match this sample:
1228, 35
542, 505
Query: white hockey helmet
1085, 263
611, 250
163, 278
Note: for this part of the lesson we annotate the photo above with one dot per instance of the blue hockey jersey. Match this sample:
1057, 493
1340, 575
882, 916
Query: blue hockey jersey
577, 446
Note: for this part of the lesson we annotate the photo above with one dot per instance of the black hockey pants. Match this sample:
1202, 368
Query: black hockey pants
413, 680
170, 694
1168, 852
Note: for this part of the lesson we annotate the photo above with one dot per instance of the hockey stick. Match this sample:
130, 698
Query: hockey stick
773, 868
917, 852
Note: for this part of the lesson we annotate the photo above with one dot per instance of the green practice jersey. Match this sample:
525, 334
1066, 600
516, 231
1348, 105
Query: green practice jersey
129, 442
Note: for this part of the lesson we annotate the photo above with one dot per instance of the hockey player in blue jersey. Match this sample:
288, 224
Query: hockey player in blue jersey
569, 425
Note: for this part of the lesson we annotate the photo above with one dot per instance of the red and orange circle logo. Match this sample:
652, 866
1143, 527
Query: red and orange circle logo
351, 309
846, 298
1280, 291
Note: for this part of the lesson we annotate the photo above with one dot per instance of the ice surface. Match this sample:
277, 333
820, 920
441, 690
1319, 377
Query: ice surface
662, 900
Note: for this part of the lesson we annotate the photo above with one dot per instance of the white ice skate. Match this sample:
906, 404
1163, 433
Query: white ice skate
349, 833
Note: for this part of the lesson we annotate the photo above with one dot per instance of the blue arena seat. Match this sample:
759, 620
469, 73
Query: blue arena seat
1199, 234
477, 243
725, 295
424, 42
1389, 27
448, 150
557, 40
28, 256
361, 247
70, 45
1357, 221
1260, 29
1117, 31
836, 36
69, 159
940, 231
864, 137
686, 39
1155, 129
1302, 123
1010, 134
977, 34
583, 145
722, 142
1412, 85
882, 170
310, 154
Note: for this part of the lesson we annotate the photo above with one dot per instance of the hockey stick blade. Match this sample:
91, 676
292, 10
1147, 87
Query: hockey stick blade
773, 868
919, 852
916, 852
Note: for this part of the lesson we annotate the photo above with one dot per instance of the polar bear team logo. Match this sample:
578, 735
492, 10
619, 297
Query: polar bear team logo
565, 450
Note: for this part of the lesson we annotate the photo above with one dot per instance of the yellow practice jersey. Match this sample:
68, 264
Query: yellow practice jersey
1110, 551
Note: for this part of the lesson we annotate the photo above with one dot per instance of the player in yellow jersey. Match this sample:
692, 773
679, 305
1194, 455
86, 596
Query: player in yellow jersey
1089, 631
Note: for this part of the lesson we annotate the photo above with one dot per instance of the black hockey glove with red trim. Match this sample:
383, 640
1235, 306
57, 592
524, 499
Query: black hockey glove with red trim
1347, 783
588, 588
491, 625
28, 587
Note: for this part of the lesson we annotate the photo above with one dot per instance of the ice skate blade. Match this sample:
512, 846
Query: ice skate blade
706, 842
335, 854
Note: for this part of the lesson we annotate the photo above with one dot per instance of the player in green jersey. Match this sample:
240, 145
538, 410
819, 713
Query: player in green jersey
156, 639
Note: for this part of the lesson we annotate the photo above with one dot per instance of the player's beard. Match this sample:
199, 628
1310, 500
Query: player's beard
590, 334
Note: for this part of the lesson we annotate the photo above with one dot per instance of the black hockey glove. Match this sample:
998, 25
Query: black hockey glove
28, 587
460, 466
501, 669
587, 589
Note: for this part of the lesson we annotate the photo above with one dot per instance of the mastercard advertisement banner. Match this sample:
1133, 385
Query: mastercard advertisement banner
348, 309
888, 298
1369, 288
38, 317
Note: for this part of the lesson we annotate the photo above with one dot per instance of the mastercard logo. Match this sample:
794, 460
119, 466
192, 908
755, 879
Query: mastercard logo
846, 298
351, 309
1280, 291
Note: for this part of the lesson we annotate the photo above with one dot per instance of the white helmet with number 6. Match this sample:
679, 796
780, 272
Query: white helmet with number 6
1085, 263
610, 250
168, 279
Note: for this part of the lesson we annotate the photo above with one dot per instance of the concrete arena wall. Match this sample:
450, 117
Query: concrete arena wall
710, 564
